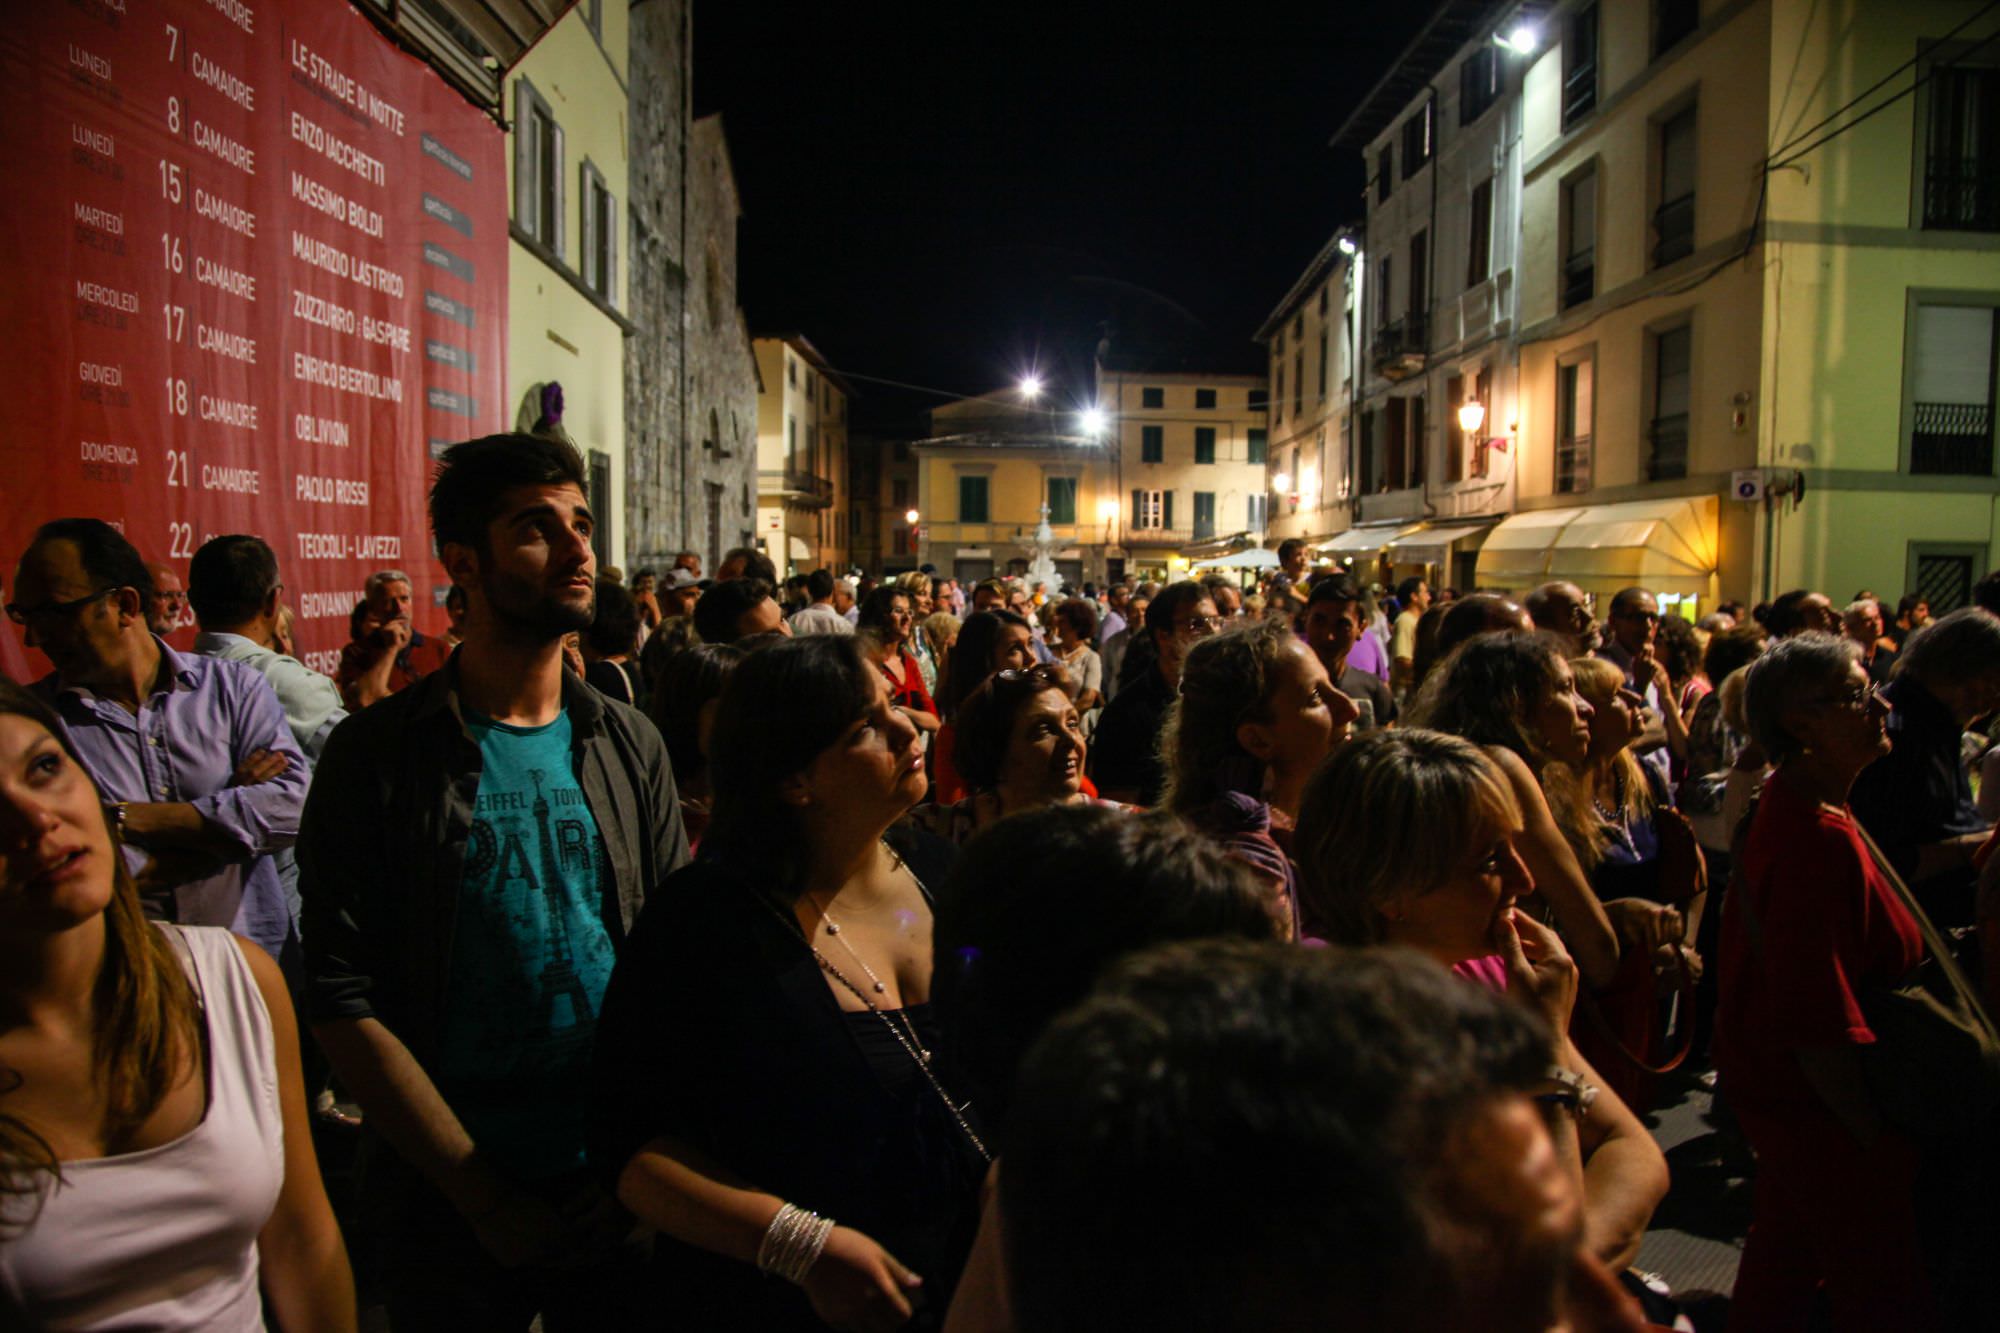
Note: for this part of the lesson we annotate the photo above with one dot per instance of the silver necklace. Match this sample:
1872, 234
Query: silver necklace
875, 982
910, 1044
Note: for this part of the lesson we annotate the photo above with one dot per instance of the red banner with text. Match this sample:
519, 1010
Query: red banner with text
255, 278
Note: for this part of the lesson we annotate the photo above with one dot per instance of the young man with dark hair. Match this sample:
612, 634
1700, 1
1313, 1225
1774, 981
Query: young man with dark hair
746, 562
1414, 596
736, 609
1234, 1137
474, 854
1332, 626
203, 776
1124, 754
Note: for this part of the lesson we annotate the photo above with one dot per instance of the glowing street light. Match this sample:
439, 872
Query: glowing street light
1471, 416
1348, 247
1107, 510
1521, 41
1031, 387
1282, 483
910, 516
1092, 421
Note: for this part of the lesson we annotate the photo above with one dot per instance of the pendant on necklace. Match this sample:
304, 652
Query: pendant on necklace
880, 988
832, 929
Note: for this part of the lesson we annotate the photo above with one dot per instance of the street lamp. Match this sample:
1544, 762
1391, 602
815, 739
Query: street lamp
910, 516
1031, 387
1471, 416
1282, 483
1522, 40
1348, 247
1092, 420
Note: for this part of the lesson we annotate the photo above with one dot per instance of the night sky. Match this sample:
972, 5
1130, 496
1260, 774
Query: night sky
945, 194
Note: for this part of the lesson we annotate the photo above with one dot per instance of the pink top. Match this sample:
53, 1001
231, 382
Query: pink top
166, 1238
1490, 972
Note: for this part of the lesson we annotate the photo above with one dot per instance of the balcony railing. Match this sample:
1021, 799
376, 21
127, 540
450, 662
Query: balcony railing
1573, 465
1961, 194
1400, 349
1579, 92
1669, 438
797, 487
1952, 439
1673, 230
1579, 278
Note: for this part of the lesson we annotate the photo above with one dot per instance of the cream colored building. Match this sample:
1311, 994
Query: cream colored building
1729, 276
984, 475
1311, 337
802, 465
1426, 483
1189, 454
567, 320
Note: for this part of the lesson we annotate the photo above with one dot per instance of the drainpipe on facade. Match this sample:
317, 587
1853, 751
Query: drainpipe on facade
1430, 296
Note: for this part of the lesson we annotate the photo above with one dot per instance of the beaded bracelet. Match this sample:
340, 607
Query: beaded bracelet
792, 1243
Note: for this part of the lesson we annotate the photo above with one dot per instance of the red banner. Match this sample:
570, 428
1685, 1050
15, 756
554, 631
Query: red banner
255, 276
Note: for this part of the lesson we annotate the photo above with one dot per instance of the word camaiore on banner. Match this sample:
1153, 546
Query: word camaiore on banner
256, 277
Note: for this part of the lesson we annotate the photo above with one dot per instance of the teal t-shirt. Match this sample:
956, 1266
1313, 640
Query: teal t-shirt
530, 954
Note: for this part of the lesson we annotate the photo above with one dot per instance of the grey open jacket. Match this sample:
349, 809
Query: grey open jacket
382, 843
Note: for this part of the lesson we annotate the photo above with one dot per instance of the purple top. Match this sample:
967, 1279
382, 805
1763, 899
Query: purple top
184, 745
1367, 655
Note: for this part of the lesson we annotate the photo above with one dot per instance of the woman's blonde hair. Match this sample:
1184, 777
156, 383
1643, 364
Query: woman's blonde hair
142, 1017
1394, 814
1599, 681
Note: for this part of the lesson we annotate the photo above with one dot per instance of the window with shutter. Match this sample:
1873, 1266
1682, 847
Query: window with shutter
1204, 444
1951, 389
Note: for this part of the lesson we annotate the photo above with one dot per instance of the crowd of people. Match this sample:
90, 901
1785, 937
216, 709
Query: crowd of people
837, 952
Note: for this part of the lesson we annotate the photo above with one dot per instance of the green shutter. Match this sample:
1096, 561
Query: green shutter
1062, 499
1138, 506
1204, 444
1152, 444
1166, 509
1257, 444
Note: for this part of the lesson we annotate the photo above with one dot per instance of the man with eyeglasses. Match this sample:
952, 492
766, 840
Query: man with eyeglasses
1635, 623
1124, 757
167, 607
204, 778
1562, 609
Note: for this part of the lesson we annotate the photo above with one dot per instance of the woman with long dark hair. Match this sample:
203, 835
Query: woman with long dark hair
989, 641
1254, 716
156, 1158
770, 1094
884, 627
1515, 696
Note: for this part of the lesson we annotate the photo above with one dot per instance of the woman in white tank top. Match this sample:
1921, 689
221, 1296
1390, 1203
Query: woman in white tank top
156, 1166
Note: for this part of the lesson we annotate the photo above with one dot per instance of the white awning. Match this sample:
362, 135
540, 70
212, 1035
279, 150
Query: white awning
1669, 545
1432, 545
1255, 557
1373, 537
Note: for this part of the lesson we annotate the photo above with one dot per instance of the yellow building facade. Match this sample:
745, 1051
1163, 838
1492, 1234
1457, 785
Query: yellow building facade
985, 473
802, 463
567, 169
1311, 338
1189, 455
1757, 331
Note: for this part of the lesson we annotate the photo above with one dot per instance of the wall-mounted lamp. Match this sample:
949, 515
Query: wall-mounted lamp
1471, 416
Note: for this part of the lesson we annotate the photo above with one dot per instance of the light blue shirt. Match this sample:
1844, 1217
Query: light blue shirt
202, 720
